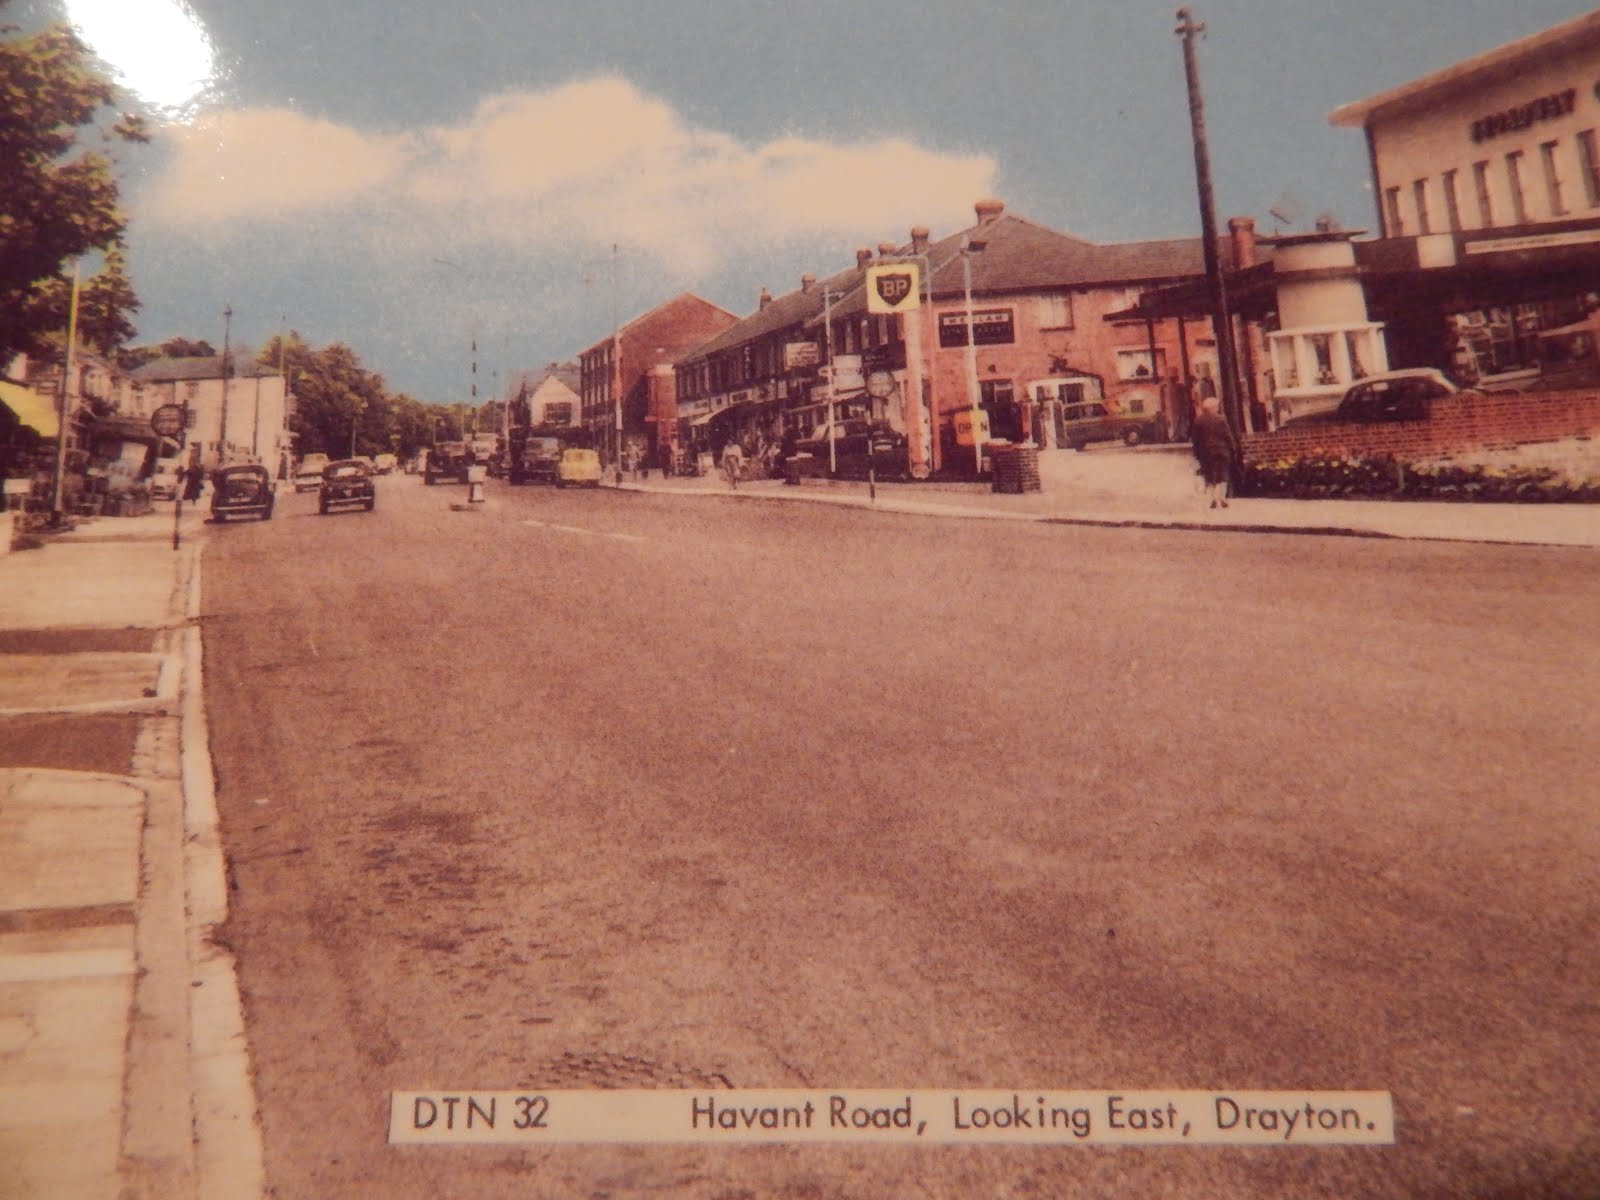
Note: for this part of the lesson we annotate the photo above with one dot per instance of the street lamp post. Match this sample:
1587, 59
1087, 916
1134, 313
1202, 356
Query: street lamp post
970, 246
355, 423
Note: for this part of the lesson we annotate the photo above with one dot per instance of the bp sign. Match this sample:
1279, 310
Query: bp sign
894, 287
167, 421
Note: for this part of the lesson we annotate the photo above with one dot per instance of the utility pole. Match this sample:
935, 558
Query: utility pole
616, 372
1221, 319
222, 442
65, 407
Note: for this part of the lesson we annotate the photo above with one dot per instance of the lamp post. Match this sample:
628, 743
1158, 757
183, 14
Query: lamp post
970, 246
57, 514
355, 422
222, 435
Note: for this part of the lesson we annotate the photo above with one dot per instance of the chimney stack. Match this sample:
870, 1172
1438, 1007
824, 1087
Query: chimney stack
988, 210
919, 239
807, 282
765, 298
887, 249
1242, 232
863, 257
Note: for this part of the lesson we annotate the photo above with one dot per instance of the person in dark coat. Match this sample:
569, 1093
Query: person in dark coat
194, 480
1214, 450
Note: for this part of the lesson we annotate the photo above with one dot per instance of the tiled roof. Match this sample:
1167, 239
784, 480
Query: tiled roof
169, 370
791, 309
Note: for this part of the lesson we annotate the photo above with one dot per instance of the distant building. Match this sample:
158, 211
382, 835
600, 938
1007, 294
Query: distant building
243, 417
656, 338
551, 394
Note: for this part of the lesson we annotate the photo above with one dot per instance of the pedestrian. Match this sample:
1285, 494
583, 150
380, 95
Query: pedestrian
194, 481
1214, 449
733, 461
666, 459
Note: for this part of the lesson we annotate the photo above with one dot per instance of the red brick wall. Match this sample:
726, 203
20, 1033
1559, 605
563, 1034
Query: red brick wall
1459, 423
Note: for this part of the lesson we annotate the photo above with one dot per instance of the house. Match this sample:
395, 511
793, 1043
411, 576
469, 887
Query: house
237, 415
551, 394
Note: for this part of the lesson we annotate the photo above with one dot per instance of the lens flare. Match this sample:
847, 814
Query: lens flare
157, 49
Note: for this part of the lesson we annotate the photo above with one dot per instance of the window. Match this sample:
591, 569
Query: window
1552, 178
1135, 364
1589, 154
1519, 202
558, 412
1480, 178
1419, 196
1452, 203
1391, 208
1055, 311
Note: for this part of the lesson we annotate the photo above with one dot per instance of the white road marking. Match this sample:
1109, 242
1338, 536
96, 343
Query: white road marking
621, 537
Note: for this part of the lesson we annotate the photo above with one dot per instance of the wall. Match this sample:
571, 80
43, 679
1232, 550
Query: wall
1457, 423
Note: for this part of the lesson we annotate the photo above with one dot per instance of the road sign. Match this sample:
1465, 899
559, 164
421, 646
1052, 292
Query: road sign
894, 287
167, 421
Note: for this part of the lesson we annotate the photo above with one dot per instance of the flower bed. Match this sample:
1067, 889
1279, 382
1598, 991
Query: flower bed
1384, 478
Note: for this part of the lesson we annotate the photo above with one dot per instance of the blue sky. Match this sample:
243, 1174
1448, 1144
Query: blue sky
403, 176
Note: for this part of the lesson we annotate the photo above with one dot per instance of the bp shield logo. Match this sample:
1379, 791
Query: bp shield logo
893, 288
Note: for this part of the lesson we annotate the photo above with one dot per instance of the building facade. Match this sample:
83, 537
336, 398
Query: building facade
241, 415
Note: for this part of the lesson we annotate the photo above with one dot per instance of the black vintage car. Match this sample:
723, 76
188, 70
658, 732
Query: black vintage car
346, 484
243, 490
446, 461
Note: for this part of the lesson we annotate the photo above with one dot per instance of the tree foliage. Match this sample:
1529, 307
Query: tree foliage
340, 407
58, 199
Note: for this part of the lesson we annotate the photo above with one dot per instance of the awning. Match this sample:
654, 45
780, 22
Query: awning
33, 410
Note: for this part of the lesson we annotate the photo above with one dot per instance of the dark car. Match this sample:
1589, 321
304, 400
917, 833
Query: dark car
346, 484
1091, 421
448, 462
242, 491
857, 443
534, 457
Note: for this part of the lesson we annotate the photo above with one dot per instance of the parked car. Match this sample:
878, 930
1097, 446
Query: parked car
242, 491
446, 461
346, 484
856, 443
165, 479
385, 463
1091, 421
308, 475
1405, 395
578, 466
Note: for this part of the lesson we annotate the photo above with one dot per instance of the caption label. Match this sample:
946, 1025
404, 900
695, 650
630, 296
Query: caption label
1146, 1118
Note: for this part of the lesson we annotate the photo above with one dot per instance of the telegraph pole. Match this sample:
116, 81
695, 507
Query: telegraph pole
64, 411
227, 329
1221, 319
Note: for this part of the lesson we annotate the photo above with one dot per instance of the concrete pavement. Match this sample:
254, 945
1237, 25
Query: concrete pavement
1155, 487
122, 1059
123, 1068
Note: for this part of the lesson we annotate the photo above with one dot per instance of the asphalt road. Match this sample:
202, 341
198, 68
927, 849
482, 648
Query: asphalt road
609, 789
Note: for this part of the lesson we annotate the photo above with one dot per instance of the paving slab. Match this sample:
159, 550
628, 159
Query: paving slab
32, 682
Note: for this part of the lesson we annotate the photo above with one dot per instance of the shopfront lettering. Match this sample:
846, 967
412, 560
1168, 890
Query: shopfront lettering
1545, 108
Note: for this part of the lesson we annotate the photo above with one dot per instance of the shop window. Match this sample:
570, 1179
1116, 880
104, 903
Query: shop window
1419, 197
1519, 200
998, 399
1322, 348
1354, 342
1589, 154
558, 412
1552, 178
1391, 209
1480, 179
1452, 202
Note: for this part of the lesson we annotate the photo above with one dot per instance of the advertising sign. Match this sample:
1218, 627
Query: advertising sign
167, 421
990, 327
962, 422
801, 354
894, 287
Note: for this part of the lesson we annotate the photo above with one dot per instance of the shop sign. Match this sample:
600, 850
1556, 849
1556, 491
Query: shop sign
847, 376
1534, 241
1545, 108
894, 287
801, 354
962, 422
167, 421
990, 327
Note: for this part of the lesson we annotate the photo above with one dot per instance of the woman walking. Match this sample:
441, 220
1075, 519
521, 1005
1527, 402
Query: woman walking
1214, 450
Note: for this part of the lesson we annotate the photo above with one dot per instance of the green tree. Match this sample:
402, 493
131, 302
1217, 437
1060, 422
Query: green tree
58, 199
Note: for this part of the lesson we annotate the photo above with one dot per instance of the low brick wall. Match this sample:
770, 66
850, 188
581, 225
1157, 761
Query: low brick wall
1458, 423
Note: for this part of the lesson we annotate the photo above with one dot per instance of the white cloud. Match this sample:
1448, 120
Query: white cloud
583, 165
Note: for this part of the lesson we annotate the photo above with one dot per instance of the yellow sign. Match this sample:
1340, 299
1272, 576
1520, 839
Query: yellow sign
894, 287
962, 423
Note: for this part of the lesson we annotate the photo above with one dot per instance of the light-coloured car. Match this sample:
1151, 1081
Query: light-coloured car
578, 467
308, 475
385, 463
166, 479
